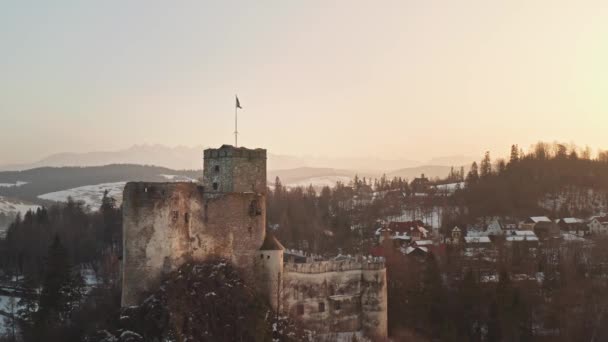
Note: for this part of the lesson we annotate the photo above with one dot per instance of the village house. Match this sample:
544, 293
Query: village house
542, 226
573, 225
398, 239
523, 236
420, 184
456, 235
477, 241
598, 225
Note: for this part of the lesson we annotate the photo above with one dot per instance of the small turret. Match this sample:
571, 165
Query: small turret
270, 263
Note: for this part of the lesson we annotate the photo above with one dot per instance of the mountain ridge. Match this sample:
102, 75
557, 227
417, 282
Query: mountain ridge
190, 158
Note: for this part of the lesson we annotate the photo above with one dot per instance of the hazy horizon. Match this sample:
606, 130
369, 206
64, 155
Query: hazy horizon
190, 158
405, 80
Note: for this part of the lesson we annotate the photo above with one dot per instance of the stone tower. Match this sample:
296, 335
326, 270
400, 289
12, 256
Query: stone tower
168, 224
234, 169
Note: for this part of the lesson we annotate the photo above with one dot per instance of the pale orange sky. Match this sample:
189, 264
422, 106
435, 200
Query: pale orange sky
388, 79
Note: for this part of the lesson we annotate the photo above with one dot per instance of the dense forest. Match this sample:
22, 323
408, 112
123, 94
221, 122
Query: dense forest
338, 218
515, 187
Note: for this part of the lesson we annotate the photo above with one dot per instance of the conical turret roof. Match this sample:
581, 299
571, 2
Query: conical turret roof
271, 244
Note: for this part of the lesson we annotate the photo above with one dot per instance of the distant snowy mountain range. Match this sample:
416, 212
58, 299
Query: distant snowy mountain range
190, 158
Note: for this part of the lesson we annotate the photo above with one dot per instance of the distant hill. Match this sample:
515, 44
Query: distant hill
453, 160
303, 176
180, 157
429, 171
44, 180
191, 158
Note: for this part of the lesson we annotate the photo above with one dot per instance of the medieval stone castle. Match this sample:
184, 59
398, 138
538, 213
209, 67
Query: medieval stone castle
167, 224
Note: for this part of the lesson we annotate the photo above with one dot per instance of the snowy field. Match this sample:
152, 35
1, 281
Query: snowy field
319, 182
91, 195
11, 185
431, 217
450, 187
10, 206
178, 178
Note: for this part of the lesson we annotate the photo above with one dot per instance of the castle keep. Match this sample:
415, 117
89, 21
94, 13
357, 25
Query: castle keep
167, 224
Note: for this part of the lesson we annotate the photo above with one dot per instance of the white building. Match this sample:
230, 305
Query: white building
598, 225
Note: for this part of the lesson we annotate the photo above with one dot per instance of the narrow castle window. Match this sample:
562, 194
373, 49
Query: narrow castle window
254, 209
321, 307
187, 217
216, 168
261, 256
215, 185
337, 306
300, 309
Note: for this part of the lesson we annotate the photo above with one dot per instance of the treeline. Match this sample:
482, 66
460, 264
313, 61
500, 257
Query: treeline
43, 258
514, 187
88, 237
342, 217
447, 300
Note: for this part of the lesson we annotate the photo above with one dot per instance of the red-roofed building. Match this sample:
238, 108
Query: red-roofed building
404, 227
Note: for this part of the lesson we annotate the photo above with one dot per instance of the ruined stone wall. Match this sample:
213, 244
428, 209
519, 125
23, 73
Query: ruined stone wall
337, 296
166, 224
231, 169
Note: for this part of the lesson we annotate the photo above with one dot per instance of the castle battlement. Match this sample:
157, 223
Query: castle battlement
335, 265
229, 151
234, 169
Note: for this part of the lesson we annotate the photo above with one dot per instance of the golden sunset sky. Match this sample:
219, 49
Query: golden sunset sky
387, 79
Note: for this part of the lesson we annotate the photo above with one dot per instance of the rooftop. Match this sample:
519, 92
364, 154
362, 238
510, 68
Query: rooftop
477, 239
537, 219
271, 244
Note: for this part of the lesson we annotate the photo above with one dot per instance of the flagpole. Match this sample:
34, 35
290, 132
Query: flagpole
236, 132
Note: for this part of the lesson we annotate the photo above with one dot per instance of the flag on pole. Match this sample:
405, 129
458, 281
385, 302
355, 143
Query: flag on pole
238, 103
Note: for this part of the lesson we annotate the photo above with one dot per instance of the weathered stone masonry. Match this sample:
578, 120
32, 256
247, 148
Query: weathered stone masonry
337, 296
167, 224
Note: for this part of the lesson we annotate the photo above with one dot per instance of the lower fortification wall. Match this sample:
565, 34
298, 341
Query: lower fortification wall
337, 296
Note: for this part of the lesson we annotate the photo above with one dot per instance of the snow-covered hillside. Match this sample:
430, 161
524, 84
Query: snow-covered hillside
9, 208
11, 185
91, 195
319, 182
12, 206
576, 199
450, 187
178, 178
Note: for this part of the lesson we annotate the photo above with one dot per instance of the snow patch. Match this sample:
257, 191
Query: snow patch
12, 185
91, 195
178, 178
10, 206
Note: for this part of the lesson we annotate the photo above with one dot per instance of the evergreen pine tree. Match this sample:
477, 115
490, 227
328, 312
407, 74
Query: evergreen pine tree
514, 158
486, 166
61, 288
473, 175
